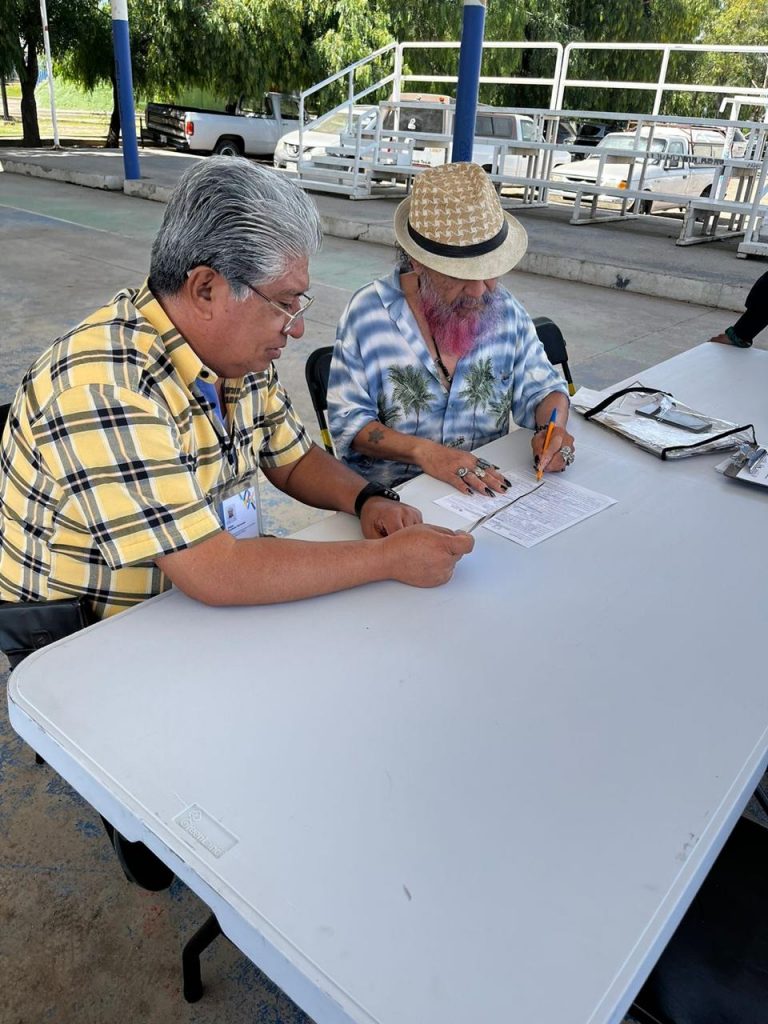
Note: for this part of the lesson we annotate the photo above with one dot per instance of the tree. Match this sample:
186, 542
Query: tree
745, 23
21, 40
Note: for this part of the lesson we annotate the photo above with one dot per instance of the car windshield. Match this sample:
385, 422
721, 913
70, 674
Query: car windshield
338, 122
630, 142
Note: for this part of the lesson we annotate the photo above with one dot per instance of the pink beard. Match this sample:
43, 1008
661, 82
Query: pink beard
455, 327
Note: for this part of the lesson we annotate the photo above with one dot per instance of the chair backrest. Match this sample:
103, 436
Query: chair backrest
553, 341
317, 371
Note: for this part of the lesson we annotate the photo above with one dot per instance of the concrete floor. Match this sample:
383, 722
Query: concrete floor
80, 944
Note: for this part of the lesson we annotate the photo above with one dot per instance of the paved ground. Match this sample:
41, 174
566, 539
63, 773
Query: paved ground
636, 256
80, 945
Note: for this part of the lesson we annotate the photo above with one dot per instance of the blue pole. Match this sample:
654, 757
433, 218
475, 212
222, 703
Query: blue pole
122, 44
470, 59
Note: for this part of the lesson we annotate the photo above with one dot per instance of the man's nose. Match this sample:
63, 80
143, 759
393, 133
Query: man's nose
296, 329
474, 289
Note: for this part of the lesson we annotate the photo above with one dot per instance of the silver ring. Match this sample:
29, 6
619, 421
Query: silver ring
479, 471
567, 454
462, 472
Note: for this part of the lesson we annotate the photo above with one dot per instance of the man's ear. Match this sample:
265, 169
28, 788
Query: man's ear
203, 286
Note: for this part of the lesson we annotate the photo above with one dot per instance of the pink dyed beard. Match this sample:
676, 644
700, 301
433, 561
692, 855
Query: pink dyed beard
455, 326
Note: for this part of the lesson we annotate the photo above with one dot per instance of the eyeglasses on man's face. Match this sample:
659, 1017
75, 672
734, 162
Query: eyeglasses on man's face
285, 307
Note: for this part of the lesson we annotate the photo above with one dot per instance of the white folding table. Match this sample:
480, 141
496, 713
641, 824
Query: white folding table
489, 801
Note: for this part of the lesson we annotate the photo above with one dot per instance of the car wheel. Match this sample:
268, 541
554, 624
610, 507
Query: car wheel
642, 206
228, 147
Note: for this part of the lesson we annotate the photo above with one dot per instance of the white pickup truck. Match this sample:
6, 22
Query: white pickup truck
680, 162
239, 131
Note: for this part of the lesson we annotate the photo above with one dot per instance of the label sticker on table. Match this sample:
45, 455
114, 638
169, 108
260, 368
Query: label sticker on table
205, 830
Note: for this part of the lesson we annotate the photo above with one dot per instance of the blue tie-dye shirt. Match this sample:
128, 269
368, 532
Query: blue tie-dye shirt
382, 370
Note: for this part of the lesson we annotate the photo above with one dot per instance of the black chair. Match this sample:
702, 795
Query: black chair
553, 341
317, 370
714, 969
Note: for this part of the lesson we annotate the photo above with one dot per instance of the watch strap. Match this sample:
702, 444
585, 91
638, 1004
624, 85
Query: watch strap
374, 490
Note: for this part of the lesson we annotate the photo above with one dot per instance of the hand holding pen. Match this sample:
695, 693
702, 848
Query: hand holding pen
553, 447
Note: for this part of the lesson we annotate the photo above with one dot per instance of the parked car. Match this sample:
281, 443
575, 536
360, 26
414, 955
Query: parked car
567, 132
334, 136
682, 162
326, 131
236, 131
590, 133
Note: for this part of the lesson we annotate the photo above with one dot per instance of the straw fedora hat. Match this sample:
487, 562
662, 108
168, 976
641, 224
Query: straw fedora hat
453, 223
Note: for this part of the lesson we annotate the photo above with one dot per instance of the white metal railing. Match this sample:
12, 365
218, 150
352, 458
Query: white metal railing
371, 158
660, 86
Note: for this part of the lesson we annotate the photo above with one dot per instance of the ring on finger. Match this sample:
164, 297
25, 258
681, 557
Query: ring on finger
479, 471
462, 471
567, 454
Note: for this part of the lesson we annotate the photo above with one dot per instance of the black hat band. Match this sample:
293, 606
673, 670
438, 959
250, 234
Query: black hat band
460, 251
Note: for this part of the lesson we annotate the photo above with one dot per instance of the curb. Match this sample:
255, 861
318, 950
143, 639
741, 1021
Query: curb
107, 182
603, 275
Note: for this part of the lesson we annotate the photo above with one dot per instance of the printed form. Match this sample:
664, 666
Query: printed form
540, 511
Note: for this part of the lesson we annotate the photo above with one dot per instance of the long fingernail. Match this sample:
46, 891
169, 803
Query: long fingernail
536, 461
505, 487
507, 482
489, 492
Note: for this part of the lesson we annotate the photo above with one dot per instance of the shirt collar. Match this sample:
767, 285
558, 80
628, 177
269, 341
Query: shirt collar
185, 360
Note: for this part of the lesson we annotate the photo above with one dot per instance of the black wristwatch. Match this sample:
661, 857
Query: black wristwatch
374, 490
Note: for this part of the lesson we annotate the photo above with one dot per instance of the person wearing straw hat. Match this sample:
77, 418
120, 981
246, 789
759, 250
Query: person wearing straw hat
431, 362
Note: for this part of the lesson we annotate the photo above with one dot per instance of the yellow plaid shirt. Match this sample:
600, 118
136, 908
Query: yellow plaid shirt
110, 455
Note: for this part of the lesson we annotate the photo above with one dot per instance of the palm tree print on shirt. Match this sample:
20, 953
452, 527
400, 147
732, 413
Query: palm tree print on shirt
387, 414
502, 410
410, 387
478, 389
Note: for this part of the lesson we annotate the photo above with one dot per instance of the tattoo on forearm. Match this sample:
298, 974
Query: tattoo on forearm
375, 435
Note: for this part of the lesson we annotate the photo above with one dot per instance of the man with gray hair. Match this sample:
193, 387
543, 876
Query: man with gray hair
130, 455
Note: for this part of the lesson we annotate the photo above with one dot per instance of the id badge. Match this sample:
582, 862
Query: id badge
237, 506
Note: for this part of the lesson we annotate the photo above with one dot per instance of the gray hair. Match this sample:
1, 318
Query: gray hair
246, 222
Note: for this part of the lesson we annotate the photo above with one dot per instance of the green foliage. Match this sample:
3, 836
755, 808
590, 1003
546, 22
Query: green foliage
745, 23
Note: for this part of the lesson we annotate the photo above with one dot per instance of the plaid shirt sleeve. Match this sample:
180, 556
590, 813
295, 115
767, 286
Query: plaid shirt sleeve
124, 477
285, 439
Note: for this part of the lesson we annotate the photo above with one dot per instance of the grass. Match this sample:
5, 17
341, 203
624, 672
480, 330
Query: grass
79, 114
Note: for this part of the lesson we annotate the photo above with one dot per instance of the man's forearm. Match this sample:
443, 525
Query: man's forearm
554, 400
319, 480
226, 571
380, 442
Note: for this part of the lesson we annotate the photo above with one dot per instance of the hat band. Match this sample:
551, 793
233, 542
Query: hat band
460, 251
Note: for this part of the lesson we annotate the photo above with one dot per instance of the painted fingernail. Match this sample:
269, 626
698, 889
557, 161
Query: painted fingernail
507, 482
505, 487
489, 492
535, 460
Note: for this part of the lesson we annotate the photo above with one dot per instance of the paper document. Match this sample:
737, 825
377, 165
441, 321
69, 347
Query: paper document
547, 510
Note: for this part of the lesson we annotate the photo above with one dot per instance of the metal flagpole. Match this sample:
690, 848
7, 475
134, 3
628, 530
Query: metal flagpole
470, 59
122, 45
49, 68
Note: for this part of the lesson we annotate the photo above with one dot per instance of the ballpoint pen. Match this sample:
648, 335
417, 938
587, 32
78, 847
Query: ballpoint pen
489, 515
550, 428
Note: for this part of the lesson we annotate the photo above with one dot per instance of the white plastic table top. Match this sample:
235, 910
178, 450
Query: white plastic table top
489, 801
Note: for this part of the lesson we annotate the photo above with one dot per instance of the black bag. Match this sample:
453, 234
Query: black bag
25, 626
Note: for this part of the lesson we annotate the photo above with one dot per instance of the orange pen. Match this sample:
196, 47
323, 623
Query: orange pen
550, 428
